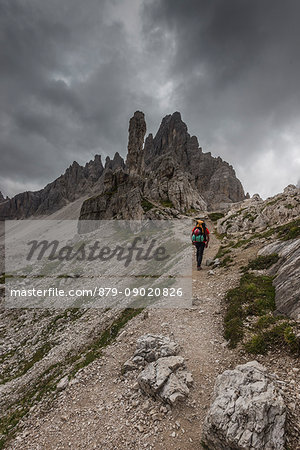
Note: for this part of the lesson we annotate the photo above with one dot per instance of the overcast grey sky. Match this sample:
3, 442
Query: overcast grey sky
73, 72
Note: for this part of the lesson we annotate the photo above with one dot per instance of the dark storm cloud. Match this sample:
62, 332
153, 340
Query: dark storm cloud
236, 68
73, 72
66, 87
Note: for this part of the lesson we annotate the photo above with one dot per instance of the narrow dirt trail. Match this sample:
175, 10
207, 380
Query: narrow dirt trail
102, 409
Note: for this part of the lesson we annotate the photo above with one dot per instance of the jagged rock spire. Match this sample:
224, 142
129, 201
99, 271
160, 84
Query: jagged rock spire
137, 130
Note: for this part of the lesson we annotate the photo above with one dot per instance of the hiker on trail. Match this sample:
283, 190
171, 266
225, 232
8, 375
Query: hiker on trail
200, 238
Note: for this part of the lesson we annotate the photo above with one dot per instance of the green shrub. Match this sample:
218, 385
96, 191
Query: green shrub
242, 242
278, 336
146, 205
250, 216
263, 262
290, 230
291, 339
265, 321
256, 345
273, 202
106, 338
225, 261
222, 252
167, 203
233, 331
191, 211
215, 216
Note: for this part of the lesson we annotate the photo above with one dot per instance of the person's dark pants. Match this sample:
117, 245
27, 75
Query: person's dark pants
200, 249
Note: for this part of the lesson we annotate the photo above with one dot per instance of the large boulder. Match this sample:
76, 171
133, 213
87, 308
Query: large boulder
287, 275
164, 375
247, 412
166, 379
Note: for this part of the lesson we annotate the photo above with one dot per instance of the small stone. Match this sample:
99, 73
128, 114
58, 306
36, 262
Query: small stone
128, 366
146, 405
156, 417
145, 315
63, 383
163, 409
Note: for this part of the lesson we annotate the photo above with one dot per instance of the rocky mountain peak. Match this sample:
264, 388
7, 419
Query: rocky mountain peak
73, 169
94, 168
137, 131
116, 163
291, 189
172, 135
173, 122
107, 162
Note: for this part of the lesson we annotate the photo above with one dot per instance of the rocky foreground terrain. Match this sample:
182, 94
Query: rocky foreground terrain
76, 378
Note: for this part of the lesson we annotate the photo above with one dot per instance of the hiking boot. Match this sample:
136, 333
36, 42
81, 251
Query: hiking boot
199, 268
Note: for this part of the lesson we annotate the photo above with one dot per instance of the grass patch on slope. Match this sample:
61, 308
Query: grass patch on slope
263, 262
215, 216
253, 292
167, 203
222, 252
280, 335
146, 205
290, 230
249, 318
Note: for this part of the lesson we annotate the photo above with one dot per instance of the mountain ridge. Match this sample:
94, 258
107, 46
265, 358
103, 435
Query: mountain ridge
172, 154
